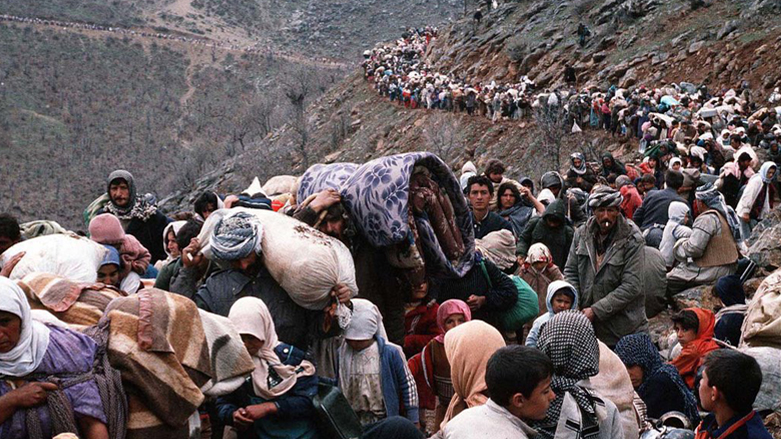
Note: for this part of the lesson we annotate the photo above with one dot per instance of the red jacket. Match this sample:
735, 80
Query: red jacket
420, 326
632, 200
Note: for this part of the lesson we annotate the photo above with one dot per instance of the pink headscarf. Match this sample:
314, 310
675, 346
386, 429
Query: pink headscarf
447, 309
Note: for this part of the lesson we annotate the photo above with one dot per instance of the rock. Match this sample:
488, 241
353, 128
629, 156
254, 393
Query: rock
696, 46
697, 297
765, 243
677, 40
599, 57
660, 58
630, 79
727, 29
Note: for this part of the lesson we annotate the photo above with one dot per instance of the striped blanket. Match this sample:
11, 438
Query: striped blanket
77, 304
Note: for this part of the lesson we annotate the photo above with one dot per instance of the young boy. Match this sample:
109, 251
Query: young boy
562, 296
518, 380
694, 327
729, 399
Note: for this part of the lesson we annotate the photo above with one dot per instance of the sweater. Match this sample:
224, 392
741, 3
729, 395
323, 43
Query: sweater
654, 208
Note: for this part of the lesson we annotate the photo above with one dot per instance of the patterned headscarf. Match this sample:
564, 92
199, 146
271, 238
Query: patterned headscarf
712, 198
639, 350
568, 339
236, 237
580, 170
605, 196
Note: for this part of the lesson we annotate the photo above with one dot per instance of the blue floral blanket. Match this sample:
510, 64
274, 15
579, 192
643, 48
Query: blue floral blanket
376, 196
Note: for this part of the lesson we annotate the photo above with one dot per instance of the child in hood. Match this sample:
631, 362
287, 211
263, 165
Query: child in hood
106, 229
561, 297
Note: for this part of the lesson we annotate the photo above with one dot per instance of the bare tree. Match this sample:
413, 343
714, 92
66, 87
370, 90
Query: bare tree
551, 122
299, 86
442, 137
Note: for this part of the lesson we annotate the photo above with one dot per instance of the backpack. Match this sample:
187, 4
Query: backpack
526, 308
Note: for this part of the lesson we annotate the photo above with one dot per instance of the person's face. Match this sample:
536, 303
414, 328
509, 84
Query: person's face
173, 247
561, 302
479, 197
496, 177
555, 190
606, 218
420, 291
677, 166
771, 173
119, 192
6, 243
10, 330
685, 335
606, 162
507, 199
707, 393
696, 162
635, 375
251, 343
652, 162
553, 223
109, 275
208, 210
334, 227
454, 320
744, 164
536, 406
245, 264
359, 345
577, 162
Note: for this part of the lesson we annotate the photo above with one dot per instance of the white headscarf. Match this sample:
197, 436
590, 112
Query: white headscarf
28, 353
366, 322
270, 378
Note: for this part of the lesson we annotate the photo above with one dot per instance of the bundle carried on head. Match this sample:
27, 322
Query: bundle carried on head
69, 256
409, 204
307, 263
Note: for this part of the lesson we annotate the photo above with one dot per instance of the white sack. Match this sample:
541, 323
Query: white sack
70, 256
304, 261
280, 184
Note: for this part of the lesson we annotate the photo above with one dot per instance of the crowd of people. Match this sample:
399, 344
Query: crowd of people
508, 307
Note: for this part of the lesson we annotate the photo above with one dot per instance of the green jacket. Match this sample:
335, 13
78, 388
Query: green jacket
614, 291
557, 240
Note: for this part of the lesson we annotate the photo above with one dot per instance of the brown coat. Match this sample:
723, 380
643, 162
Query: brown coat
539, 281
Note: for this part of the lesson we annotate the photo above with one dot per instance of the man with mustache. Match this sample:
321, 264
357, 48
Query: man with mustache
605, 265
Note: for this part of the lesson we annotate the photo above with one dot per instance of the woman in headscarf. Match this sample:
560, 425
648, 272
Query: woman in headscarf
31, 354
517, 209
757, 199
676, 164
431, 368
611, 166
276, 401
169, 243
658, 384
729, 320
694, 327
568, 339
371, 372
580, 175
468, 348
675, 229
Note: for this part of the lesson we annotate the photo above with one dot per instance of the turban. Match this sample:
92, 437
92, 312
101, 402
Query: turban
605, 197
237, 236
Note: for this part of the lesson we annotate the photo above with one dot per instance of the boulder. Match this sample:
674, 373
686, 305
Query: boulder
727, 29
630, 79
696, 46
599, 56
765, 243
697, 297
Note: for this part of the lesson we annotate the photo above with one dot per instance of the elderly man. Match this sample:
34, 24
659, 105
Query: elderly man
710, 252
237, 241
606, 265
138, 215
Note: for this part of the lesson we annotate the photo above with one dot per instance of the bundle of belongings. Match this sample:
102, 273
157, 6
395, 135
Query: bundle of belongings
67, 255
305, 262
411, 205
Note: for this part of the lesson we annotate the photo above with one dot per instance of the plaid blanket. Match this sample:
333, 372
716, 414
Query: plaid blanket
230, 361
79, 305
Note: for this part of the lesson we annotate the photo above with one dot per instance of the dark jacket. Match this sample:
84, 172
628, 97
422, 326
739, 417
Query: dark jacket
294, 406
294, 324
491, 223
168, 272
661, 395
500, 293
616, 167
614, 290
752, 429
654, 208
589, 179
557, 240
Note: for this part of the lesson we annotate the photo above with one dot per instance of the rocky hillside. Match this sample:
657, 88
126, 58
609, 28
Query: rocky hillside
633, 42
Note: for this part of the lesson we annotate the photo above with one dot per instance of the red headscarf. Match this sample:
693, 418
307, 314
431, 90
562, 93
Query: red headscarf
694, 352
447, 309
